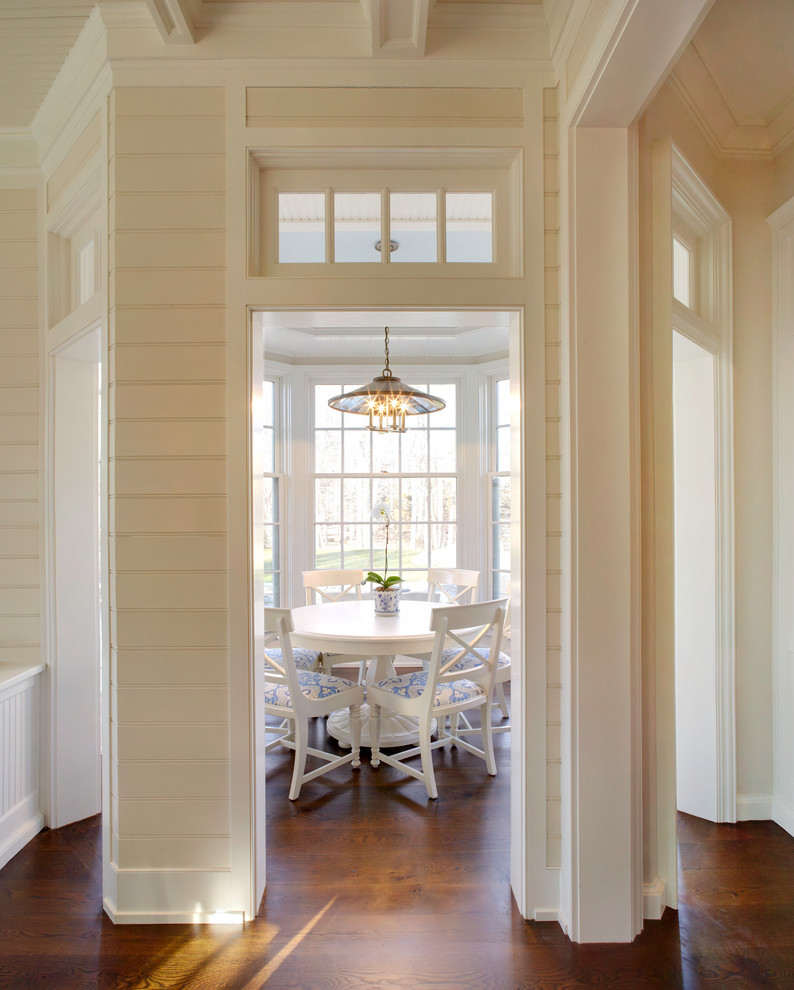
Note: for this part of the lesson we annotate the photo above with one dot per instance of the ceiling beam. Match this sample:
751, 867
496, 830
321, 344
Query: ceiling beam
175, 20
398, 27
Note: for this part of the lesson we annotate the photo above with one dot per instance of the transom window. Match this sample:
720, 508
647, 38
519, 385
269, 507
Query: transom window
386, 213
414, 473
385, 226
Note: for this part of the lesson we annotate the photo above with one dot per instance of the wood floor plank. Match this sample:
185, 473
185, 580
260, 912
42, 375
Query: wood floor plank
415, 895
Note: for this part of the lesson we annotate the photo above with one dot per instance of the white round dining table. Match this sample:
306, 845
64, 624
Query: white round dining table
353, 627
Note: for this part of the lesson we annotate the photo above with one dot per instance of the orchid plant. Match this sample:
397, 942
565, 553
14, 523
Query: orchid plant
381, 512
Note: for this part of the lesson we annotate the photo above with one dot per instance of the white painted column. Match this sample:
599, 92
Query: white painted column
602, 710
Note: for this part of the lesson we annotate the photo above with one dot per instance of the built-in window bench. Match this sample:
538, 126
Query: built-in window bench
20, 707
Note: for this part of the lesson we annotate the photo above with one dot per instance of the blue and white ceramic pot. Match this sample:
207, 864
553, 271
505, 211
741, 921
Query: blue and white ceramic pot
387, 602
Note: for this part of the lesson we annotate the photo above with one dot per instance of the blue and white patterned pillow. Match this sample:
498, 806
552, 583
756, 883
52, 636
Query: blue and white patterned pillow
467, 661
313, 685
448, 693
304, 659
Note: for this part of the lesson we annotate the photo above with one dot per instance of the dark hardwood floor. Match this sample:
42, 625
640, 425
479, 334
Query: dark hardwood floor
372, 886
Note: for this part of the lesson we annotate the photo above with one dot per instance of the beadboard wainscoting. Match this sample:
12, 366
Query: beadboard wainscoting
20, 817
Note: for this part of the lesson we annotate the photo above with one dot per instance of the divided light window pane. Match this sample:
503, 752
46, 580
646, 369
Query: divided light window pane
356, 227
682, 272
469, 227
301, 227
86, 283
414, 472
413, 226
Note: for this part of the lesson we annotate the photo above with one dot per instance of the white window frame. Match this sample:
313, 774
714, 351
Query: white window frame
298, 485
279, 473
491, 427
440, 170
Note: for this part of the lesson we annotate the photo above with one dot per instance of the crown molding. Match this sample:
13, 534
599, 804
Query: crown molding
697, 85
85, 65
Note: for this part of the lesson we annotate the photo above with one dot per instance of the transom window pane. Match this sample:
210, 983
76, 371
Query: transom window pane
682, 272
413, 227
356, 226
301, 227
469, 227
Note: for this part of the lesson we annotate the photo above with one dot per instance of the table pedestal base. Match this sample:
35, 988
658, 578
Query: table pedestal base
395, 729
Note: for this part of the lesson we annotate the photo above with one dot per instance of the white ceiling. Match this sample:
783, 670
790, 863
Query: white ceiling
35, 38
427, 336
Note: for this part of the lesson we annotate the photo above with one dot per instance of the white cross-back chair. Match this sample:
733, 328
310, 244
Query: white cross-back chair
335, 586
440, 691
503, 672
452, 585
296, 695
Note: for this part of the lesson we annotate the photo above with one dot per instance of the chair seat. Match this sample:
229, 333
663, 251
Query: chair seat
448, 693
304, 659
468, 661
313, 685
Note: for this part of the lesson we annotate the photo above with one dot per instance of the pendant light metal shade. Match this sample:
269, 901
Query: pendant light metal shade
386, 398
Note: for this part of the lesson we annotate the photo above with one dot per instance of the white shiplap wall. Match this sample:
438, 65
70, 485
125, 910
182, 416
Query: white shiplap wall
168, 512
19, 427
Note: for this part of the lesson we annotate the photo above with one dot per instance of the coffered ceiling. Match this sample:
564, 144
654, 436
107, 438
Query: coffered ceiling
736, 76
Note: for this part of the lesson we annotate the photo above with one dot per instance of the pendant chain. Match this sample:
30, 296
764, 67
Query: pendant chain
386, 371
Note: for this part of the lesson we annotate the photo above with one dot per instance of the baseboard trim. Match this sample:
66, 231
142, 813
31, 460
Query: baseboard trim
753, 807
23, 831
171, 917
783, 814
654, 899
547, 914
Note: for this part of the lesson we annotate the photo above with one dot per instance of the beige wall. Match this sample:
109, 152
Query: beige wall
19, 427
168, 511
744, 188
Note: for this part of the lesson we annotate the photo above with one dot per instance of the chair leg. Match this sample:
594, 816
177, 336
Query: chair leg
499, 691
487, 739
427, 761
301, 750
374, 734
355, 733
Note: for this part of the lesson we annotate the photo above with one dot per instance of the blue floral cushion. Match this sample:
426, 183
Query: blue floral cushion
467, 662
313, 685
304, 659
448, 693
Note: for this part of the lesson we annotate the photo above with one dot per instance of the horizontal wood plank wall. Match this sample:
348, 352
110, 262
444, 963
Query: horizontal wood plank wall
19, 427
551, 224
168, 512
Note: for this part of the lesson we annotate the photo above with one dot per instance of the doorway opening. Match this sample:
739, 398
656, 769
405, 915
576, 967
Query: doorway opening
75, 608
696, 608
478, 352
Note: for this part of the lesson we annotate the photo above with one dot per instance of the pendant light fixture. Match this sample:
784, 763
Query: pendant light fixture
386, 398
